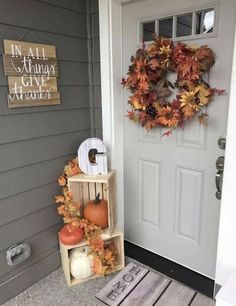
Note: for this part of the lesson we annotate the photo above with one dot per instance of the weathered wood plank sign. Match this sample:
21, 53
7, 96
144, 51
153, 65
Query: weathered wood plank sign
23, 65
32, 72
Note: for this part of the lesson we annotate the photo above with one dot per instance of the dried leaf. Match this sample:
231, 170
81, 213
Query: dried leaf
157, 106
143, 86
162, 89
203, 118
61, 210
154, 64
189, 70
62, 181
96, 244
218, 91
168, 133
97, 266
203, 93
133, 116
59, 199
205, 57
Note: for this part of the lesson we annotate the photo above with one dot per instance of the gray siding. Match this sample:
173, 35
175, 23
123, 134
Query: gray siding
95, 79
35, 143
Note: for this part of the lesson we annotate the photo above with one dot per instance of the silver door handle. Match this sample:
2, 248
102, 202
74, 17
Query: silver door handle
218, 184
219, 176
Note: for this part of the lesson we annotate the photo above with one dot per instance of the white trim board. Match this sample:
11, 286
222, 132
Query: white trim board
110, 22
226, 253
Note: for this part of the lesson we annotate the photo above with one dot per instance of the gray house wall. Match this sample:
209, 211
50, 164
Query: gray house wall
36, 142
95, 93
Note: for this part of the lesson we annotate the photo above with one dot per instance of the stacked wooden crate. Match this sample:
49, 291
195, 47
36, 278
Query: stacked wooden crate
84, 188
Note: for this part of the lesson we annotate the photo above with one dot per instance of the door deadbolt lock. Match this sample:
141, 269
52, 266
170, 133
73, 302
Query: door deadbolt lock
222, 142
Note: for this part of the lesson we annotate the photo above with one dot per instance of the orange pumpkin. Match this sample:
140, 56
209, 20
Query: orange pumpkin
70, 234
96, 211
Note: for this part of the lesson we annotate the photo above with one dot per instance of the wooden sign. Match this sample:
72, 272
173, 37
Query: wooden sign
23, 65
32, 72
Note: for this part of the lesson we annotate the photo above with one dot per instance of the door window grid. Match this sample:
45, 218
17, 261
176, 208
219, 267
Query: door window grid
184, 25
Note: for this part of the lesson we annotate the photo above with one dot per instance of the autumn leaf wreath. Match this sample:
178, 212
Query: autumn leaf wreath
147, 81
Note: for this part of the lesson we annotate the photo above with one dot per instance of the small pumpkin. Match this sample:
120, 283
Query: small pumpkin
70, 234
81, 263
96, 211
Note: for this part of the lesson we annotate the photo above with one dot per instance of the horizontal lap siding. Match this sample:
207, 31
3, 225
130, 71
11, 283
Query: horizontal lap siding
95, 70
36, 142
38, 15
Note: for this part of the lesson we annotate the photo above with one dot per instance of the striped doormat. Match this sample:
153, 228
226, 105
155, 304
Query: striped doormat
135, 285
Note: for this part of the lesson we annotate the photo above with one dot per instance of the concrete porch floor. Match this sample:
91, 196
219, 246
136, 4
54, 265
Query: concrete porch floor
52, 290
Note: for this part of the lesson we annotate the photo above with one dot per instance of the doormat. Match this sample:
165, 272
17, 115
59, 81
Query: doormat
134, 285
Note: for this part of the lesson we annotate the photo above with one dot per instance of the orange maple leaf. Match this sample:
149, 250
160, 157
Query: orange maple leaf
61, 210
205, 57
59, 199
143, 87
97, 266
96, 244
62, 181
153, 63
189, 69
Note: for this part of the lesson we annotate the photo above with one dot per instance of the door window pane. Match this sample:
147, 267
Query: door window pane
184, 25
166, 27
205, 21
148, 30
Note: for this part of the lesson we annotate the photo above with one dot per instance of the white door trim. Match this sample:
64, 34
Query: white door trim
226, 252
110, 22
110, 18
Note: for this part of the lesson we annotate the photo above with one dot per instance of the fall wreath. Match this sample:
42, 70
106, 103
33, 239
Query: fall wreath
104, 254
150, 88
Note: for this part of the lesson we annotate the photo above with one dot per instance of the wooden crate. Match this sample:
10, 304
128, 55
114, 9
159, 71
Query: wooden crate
117, 238
85, 187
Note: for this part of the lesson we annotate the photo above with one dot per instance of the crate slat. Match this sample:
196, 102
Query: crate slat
85, 192
84, 188
117, 238
92, 191
99, 190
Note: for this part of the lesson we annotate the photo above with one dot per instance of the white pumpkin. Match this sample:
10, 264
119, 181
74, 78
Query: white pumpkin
81, 263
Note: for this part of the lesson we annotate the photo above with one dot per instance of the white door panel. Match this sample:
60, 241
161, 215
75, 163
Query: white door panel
170, 203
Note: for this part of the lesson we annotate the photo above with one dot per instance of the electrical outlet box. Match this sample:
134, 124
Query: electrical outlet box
18, 253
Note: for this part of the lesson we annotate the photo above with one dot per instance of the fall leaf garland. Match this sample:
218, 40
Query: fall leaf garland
104, 254
147, 81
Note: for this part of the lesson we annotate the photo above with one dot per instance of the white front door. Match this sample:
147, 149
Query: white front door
170, 203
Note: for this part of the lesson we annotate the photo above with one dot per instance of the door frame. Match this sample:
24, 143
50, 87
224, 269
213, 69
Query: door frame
110, 22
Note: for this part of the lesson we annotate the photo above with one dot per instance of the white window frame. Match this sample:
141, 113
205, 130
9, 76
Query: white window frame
175, 14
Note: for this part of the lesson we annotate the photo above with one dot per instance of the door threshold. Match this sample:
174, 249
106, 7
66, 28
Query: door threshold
197, 281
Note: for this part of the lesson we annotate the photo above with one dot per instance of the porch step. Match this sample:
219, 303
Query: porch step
227, 294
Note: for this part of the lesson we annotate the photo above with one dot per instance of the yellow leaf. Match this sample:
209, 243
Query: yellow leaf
203, 93
157, 106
